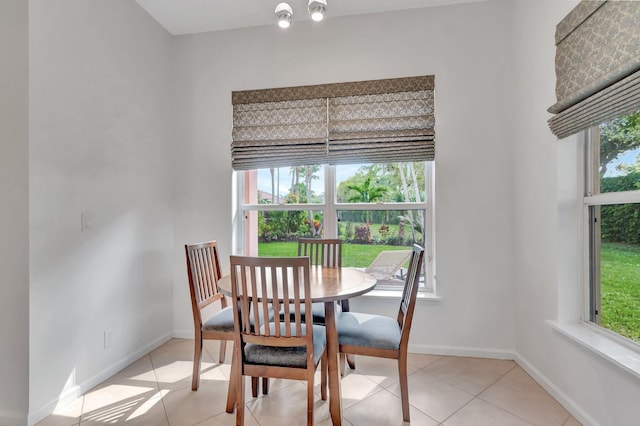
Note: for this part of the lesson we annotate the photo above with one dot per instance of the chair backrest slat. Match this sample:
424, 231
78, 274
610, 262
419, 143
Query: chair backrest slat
210, 271
277, 305
254, 290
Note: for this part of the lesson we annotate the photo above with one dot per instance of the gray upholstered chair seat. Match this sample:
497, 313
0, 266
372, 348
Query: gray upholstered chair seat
286, 356
223, 321
372, 331
318, 312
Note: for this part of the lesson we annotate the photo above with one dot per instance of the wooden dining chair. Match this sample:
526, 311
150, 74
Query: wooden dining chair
203, 269
379, 336
291, 348
325, 252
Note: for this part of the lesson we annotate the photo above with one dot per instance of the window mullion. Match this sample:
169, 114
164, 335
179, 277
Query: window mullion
330, 214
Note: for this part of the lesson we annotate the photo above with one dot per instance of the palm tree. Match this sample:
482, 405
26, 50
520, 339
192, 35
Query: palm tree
309, 173
366, 192
416, 223
295, 181
273, 186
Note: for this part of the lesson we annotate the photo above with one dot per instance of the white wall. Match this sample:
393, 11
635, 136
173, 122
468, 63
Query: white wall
548, 233
101, 143
14, 213
466, 47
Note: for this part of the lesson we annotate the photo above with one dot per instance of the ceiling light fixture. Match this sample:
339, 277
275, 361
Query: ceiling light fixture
317, 9
284, 14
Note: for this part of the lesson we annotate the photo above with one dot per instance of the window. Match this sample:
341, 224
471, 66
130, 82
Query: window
348, 160
373, 208
612, 207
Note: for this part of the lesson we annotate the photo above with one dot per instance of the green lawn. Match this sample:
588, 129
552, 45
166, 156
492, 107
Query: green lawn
356, 255
620, 289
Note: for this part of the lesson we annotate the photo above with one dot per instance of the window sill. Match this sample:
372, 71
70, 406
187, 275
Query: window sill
593, 339
397, 294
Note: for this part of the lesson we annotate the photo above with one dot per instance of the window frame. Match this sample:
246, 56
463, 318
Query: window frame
591, 248
330, 208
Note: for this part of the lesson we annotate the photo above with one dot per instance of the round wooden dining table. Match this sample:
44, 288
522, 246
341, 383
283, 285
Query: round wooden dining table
329, 284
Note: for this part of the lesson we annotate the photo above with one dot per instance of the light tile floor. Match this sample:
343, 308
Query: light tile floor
451, 391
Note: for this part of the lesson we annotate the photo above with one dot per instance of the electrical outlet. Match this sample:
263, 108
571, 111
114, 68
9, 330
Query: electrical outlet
109, 337
86, 221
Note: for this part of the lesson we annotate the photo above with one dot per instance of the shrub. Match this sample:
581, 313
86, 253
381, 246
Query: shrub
395, 241
384, 232
348, 232
362, 234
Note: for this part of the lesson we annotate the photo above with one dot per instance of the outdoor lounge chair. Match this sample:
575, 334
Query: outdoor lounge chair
386, 265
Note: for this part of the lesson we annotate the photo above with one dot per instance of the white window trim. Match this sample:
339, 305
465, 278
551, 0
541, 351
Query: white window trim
605, 342
577, 328
593, 338
330, 205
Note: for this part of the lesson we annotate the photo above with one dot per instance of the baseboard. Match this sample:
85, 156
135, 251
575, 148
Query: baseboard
568, 403
184, 334
462, 351
12, 418
74, 392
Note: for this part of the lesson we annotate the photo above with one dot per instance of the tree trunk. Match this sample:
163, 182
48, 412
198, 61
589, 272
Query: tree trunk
416, 191
308, 176
273, 186
297, 186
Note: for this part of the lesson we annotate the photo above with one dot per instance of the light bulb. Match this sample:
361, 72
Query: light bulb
317, 8
284, 23
284, 14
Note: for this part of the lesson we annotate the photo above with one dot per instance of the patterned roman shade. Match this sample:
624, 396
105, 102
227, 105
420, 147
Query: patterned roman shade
343, 123
597, 65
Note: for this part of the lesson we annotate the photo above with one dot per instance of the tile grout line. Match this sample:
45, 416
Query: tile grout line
81, 410
474, 396
501, 408
164, 408
488, 402
506, 411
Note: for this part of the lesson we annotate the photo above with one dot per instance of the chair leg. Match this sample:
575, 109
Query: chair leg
351, 360
237, 376
323, 376
197, 358
344, 305
223, 350
404, 385
343, 357
231, 393
310, 399
254, 386
240, 400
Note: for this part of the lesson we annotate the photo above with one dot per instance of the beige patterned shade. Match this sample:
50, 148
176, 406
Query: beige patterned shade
284, 133
597, 57
369, 121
